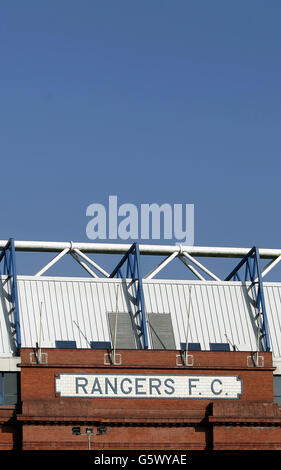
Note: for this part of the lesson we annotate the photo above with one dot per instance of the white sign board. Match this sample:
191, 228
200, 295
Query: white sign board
148, 386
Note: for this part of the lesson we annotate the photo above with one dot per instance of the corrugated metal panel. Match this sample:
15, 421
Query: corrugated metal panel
77, 309
218, 310
72, 309
125, 333
272, 295
161, 331
7, 339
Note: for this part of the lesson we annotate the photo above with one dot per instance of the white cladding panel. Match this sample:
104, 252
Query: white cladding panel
77, 309
218, 310
272, 295
72, 309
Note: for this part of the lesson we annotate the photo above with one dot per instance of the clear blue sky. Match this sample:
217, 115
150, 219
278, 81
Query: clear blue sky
152, 101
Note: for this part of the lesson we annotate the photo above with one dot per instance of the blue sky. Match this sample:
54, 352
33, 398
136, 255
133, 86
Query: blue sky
154, 101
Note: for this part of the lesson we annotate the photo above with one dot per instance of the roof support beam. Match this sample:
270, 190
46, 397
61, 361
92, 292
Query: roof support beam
199, 265
90, 261
161, 266
192, 269
251, 263
270, 266
52, 262
132, 258
89, 270
7, 256
119, 248
76, 254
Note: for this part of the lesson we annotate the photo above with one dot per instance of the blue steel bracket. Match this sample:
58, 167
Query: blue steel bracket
133, 271
8, 259
251, 263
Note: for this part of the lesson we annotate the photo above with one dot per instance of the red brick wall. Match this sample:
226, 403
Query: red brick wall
250, 422
9, 431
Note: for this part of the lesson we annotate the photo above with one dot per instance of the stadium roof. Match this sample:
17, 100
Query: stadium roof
130, 310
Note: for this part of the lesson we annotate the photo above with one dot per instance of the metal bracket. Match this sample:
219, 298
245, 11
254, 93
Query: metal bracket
38, 358
255, 360
185, 360
110, 360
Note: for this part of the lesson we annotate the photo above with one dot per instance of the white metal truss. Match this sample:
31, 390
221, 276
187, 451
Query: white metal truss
84, 265
270, 266
207, 271
52, 262
186, 254
145, 249
161, 266
192, 269
90, 261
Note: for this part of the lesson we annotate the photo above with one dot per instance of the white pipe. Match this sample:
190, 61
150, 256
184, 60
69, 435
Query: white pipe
52, 262
192, 269
270, 266
207, 271
90, 261
84, 265
120, 248
161, 266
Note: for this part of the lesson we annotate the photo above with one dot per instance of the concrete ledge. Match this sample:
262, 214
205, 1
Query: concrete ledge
10, 364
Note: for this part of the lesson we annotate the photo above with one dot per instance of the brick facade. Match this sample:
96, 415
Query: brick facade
45, 418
